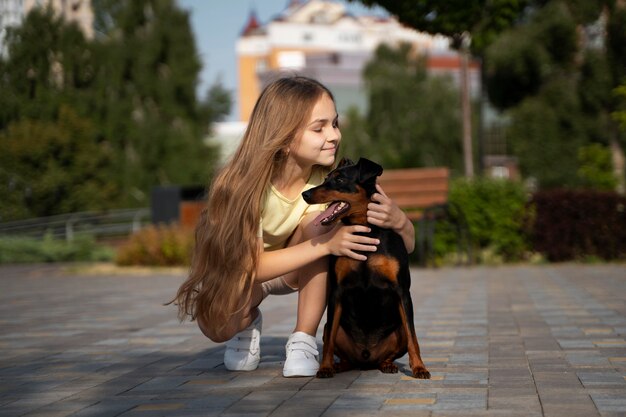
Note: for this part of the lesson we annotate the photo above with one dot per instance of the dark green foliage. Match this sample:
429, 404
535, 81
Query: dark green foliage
526, 57
595, 87
557, 90
554, 28
616, 43
53, 167
516, 65
619, 115
546, 137
49, 63
595, 167
495, 212
573, 225
95, 124
529, 48
155, 121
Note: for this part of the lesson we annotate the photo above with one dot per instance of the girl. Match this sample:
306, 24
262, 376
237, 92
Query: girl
256, 236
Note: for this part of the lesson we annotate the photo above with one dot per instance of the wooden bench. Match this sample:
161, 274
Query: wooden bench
423, 194
416, 189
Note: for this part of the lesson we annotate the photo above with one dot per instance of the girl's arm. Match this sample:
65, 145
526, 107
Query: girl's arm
383, 212
339, 241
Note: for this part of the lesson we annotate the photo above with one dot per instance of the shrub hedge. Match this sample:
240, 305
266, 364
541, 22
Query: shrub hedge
35, 250
575, 224
494, 211
157, 246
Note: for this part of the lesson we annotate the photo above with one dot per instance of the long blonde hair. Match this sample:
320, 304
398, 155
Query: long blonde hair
225, 256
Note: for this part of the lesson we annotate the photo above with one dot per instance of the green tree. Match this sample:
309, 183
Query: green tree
134, 86
411, 119
52, 167
525, 57
546, 138
524, 44
147, 103
555, 81
48, 63
50, 161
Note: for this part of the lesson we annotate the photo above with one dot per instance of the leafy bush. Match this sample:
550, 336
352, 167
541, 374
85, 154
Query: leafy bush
28, 249
577, 225
596, 167
494, 211
157, 246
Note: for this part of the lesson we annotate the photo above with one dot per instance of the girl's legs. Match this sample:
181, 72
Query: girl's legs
243, 349
310, 280
301, 348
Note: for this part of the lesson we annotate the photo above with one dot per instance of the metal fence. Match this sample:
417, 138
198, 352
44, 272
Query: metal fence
114, 223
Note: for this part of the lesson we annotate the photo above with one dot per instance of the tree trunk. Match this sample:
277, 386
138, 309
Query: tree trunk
619, 165
466, 110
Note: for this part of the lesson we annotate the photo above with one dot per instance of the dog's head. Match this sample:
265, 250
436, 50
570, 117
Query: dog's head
348, 189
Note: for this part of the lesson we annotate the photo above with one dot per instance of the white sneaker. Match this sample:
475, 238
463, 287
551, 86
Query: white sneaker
302, 355
243, 352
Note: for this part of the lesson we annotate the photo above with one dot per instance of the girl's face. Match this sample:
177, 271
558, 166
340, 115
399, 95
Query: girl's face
319, 142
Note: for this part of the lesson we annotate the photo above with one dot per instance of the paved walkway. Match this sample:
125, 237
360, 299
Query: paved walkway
509, 341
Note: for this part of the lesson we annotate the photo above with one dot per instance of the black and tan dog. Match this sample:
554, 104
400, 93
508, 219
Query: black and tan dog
370, 312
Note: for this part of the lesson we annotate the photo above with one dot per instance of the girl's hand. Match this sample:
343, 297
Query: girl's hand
383, 212
343, 241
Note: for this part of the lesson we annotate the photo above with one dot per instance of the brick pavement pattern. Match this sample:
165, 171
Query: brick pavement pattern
502, 341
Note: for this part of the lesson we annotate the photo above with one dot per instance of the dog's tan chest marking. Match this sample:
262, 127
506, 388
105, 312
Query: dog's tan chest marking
384, 265
344, 266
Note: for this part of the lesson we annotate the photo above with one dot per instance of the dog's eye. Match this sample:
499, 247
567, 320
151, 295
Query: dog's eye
340, 180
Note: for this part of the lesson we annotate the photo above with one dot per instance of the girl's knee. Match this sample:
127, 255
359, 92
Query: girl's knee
236, 323
220, 335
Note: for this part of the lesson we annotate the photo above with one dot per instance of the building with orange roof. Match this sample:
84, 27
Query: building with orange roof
320, 39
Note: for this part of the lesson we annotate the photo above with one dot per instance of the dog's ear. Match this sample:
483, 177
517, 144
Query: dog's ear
345, 162
368, 169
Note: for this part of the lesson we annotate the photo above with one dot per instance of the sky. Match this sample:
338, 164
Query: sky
217, 25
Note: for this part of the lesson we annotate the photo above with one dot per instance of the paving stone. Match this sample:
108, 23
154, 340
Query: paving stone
602, 379
564, 410
508, 341
527, 403
613, 402
548, 380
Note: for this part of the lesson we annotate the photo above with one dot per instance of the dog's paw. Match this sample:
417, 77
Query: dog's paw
421, 373
325, 372
388, 368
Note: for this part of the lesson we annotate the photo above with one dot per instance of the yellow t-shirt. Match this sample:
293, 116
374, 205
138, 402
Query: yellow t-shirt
280, 216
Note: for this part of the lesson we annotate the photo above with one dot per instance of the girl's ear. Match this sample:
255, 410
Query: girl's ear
344, 162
